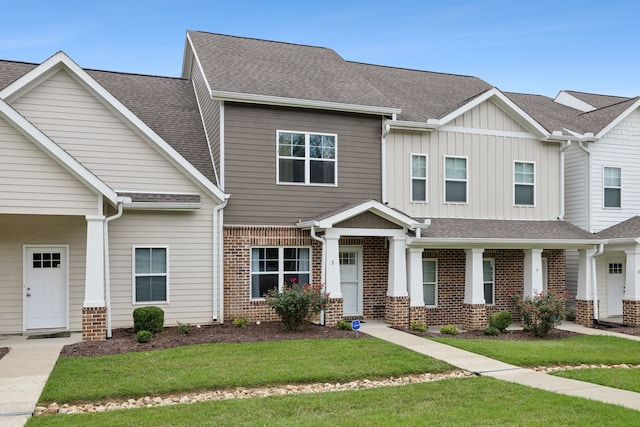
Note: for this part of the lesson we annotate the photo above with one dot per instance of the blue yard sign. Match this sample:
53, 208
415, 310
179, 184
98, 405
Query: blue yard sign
355, 325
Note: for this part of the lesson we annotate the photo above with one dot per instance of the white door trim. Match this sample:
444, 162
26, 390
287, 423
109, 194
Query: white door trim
64, 264
359, 251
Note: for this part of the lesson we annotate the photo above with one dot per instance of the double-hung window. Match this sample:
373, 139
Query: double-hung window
524, 180
151, 274
430, 282
489, 280
455, 180
272, 267
418, 178
307, 158
612, 187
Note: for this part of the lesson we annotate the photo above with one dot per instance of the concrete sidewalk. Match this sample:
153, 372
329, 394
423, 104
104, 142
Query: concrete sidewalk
24, 372
485, 366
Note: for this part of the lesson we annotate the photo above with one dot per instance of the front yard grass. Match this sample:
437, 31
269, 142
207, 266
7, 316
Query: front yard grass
223, 365
624, 379
460, 402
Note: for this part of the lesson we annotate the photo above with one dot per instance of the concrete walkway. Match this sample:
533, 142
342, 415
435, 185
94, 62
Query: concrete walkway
23, 373
485, 366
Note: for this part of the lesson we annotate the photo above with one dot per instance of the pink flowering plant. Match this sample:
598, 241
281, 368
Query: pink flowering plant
297, 303
542, 312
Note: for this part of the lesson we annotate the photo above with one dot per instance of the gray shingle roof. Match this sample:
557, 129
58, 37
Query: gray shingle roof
626, 229
550, 114
596, 120
597, 100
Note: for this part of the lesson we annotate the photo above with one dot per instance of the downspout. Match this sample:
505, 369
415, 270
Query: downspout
107, 274
218, 258
386, 127
563, 148
586, 150
323, 268
594, 282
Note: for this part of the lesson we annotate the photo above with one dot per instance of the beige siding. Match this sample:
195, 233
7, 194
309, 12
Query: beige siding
490, 161
96, 137
576, 186
20, 230
210, 110
488, 116
250, 164
188, 235
33, 183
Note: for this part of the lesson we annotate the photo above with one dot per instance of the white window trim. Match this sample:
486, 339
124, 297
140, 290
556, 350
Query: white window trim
307, 159
604, 187
493, 280
134, 275
445, 180
525, 183
281, 271
425, 178
436, 283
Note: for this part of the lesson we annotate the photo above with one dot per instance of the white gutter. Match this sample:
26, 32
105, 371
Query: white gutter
164, 206
383, 146
107, 274
218, 261
323, 268
594, 281
429, 125
563, 148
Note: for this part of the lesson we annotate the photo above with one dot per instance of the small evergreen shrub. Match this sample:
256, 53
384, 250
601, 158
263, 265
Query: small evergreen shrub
184, 328
343, 325
418, 326
143, 336
241, 322
491, 330
449, 330
501, 320
148, 319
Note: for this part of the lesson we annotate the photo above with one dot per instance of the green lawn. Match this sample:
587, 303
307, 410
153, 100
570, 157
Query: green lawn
625, 379
222, 365
462, 402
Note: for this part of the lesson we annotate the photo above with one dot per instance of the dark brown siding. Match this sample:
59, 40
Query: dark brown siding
250, 164
210, 110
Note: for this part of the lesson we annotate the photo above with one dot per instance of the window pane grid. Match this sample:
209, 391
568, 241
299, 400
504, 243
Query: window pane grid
429, 282
150, 274
274, 267
418, 178
524, 183
455, 180
306, 158
612, 187
488, 278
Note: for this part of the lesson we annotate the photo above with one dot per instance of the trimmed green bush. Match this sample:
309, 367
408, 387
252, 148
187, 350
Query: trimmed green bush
419, 326
449, 330
184, 328
143, 336
148, 319
297, 303
240, 322
491, 330
500, 320
343, 325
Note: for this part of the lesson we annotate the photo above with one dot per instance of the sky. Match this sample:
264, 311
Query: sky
527, 46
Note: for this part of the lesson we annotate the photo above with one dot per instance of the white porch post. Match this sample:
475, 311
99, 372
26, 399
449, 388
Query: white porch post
585, 273
94, 264
333, 266
474, 278
632, 278
532, 272
414, 273
397, 267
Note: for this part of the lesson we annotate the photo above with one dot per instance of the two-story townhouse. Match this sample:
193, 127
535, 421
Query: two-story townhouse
107, 200
411, 195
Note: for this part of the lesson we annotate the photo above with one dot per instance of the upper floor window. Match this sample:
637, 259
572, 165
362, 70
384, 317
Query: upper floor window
455, 180
612, 187
418, 178
271, 267
150, 274
306, 158
524, 179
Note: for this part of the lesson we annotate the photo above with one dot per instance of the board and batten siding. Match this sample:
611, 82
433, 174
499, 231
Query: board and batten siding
88, 130
20, 230
250, 164
188, 237
490, 154
576, 186
31, 182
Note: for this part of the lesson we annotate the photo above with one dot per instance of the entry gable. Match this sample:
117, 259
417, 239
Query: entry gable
369, 214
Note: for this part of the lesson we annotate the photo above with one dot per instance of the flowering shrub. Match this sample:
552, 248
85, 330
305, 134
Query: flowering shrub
297, 303
542, 312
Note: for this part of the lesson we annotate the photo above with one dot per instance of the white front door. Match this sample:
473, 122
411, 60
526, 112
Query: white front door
351, 280
615, 286
45, 287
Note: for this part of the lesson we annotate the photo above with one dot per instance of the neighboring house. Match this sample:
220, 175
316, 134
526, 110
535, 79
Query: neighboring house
107, 200
411, 195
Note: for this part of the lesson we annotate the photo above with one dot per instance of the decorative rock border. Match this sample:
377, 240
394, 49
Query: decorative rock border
546, 369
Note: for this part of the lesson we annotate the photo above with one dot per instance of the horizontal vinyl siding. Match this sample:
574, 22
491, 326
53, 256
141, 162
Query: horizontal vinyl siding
210, 111
18, 230
576, 186
31, 182
96, 137
188, 235
250, 164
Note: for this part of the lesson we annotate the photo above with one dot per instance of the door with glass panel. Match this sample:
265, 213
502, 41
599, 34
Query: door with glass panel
351, 280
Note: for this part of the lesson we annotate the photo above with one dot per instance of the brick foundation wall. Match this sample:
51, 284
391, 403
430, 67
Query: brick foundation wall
334, 313
475, 317
417, 314
94, 323
397, 311
584, 312
631, 312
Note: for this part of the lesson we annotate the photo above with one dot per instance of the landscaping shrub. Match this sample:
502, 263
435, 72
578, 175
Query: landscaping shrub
241, 322
343, 325
542, 312
143, 336
500, 320
449, 330
148, 319
297, 303
491, 330
184, 328
418, 326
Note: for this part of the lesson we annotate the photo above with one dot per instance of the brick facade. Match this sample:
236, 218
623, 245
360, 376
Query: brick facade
631, 312
475, 316
397, 311
584, 312
94, 323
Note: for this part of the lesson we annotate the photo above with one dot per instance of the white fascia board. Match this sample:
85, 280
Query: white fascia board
373, 206
502, 100
302, 103
159, 206
426, 242
59, 60
63, 158
618, 119
411, 125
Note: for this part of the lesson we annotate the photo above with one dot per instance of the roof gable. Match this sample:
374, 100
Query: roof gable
359, 213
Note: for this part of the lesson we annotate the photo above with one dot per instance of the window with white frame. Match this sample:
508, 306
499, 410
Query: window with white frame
430, 282
455, 180
151, 274
612, 187
524, 179
306, 158
418, 178
271, 267
488, 279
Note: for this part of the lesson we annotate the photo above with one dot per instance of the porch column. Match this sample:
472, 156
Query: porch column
396, 310
414, 273
94, 310
532, 272
631, 299
474, 278
585, 312
332, 277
